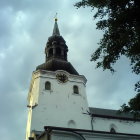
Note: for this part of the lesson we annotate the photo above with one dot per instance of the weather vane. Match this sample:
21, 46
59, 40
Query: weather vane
55, 17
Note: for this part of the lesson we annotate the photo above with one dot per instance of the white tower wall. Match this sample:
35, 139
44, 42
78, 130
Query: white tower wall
59, 106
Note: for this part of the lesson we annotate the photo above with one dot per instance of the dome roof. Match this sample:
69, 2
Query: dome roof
56, 40
57, 64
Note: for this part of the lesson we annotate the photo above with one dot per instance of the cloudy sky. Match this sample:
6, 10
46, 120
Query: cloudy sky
25, 26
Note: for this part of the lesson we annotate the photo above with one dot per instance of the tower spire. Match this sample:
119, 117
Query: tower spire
56, 29
56, 53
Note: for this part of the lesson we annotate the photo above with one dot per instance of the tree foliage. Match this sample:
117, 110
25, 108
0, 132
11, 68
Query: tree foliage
132, 107
120, 22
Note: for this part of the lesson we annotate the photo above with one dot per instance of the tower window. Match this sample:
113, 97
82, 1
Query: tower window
112, 130
65, 55
50, 52
58, 51
71, 124
48, 85
75, 89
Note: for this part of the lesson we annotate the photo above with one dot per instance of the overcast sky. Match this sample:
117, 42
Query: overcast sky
25, 26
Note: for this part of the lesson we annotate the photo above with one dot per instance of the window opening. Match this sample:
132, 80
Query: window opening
50, 52
112, 130
58, 51
75, 89
48, 85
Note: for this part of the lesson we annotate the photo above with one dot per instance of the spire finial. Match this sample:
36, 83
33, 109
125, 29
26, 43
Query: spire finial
55, 17
56, 29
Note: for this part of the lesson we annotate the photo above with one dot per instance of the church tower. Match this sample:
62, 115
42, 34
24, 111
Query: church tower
57, 94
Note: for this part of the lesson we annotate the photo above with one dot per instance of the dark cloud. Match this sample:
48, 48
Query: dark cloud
25, 27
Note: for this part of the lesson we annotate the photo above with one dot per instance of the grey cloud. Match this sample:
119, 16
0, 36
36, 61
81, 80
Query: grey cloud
25, 27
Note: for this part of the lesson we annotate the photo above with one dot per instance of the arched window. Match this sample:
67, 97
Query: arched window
58, 51
112, 130
48, 85
50, 52
71, 124
65, 55
75, 89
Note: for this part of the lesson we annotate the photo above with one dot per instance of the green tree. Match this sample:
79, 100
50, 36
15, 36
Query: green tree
120, 22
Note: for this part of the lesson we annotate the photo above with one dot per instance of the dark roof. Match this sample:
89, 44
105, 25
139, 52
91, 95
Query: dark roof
56, 38
84, 130
56, 29
57, 64
112, 114
49, 129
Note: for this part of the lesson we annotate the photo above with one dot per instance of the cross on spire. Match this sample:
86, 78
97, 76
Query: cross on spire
56, 29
